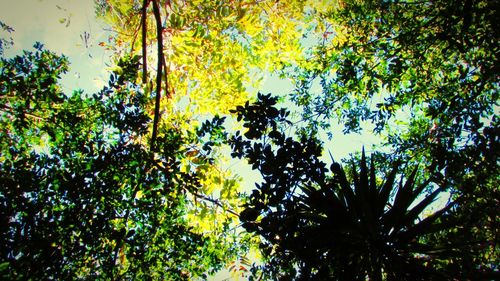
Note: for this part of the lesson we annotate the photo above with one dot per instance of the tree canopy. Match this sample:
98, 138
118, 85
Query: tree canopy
320, 224
82, 197
425, 75
132, 182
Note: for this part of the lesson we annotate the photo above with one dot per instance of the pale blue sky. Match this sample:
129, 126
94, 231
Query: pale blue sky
66, 27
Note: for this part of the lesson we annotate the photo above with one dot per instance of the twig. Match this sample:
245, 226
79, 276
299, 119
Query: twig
7, 109
214, 201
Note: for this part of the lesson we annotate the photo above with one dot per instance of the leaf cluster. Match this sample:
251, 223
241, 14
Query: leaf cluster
325, 224
423, 74
81, 196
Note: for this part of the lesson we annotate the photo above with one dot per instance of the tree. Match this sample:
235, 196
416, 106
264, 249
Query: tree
320, 225
211, 51
424, 74
433, 52
434, 60
81, 196
201, 57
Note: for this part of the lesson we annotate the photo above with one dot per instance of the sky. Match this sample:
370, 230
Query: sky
66, 27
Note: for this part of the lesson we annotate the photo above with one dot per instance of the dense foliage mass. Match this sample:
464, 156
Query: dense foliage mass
123, 184
425, 75
209, 51
320, 224
81, 195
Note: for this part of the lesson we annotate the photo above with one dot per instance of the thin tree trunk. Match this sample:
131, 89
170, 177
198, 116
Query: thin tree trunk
159, 35
144, 43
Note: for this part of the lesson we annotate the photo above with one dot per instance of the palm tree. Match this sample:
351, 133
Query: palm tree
352, 231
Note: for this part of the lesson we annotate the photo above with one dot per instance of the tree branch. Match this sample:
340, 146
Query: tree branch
198, 195
167, 90
144, 46
159, 38
215, 202
9, 110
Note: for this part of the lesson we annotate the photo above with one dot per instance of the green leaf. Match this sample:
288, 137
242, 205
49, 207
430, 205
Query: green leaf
4, 266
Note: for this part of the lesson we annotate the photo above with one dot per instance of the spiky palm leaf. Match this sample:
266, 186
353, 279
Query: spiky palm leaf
353, 231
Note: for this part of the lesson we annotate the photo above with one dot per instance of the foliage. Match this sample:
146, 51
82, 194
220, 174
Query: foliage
320, 225
4, 41
426, 78
123, 185
208, 56
425, 75
213, 50
435, 57
82, 197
